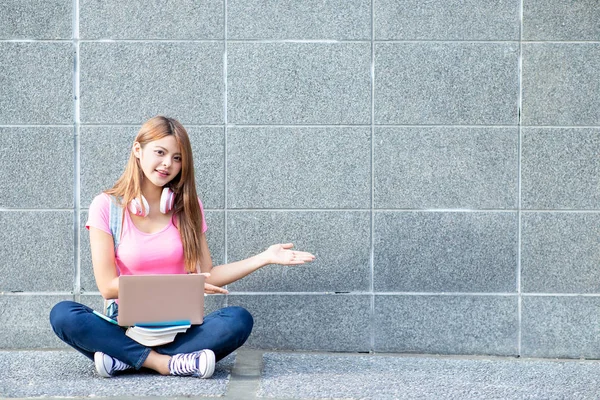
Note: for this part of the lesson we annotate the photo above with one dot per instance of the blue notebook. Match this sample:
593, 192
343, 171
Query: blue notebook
104, 317
162, 324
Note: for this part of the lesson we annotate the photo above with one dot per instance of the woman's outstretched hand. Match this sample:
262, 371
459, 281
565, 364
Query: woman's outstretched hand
283, 254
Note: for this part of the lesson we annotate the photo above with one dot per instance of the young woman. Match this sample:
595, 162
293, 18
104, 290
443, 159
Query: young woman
163, 232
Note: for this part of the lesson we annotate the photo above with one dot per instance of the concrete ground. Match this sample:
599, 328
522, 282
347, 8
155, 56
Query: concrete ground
254, 374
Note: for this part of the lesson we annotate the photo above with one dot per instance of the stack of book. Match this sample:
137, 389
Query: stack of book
154, 333
157, 334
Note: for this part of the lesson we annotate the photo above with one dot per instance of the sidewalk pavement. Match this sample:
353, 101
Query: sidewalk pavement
255, 374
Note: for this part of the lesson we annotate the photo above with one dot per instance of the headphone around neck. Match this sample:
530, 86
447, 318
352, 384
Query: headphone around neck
167, 200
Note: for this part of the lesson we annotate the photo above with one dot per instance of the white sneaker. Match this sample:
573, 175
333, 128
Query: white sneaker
200, 364
107, 365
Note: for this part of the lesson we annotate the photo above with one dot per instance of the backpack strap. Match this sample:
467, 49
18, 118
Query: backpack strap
115, 222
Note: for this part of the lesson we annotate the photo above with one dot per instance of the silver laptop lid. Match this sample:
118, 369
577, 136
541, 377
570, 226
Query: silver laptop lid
161, 299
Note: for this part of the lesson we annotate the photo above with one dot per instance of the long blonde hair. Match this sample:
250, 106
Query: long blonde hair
186, 207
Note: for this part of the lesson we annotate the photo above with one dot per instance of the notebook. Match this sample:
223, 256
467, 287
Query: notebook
155, 300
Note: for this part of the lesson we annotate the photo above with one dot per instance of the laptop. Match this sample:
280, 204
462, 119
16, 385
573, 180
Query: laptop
161, 299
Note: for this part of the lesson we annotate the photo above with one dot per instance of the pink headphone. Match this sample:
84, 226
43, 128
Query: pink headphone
167, 200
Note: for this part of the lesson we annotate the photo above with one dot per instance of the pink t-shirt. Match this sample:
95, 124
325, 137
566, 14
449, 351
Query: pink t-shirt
141, 253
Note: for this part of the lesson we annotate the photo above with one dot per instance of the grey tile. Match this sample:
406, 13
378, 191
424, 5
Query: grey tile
289, 83
446, 20
86, 270
560, 168
374, 376
561, 20
154, 19
182, 80
339, 240
67, 374
37, 251
560, 252
445, 251
310, 19
37, 83
36, 19
104, 151
564, 327
38, 167
208, 145
446, 324
434, 167
94, 301
299, 167
560, 84
215, 236
215, 220
25, 321
308, 322
101, 143
446, 83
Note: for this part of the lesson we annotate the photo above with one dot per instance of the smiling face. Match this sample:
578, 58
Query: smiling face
160, 160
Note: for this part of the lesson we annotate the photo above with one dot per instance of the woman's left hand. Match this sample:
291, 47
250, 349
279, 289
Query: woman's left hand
283, 254
212, 289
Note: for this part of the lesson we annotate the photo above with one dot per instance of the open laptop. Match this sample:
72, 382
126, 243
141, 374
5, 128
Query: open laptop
161, 299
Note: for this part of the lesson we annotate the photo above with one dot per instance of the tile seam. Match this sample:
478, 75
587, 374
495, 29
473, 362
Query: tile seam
76, 155
299, 41
37, 126
276, 126
225, 144
364, 293
338, 210
519, 185
372, 214
370, 294
242, 382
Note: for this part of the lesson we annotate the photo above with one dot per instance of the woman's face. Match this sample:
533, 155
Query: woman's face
160, 160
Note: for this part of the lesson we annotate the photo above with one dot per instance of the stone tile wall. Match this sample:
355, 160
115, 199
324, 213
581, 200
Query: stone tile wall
440, 158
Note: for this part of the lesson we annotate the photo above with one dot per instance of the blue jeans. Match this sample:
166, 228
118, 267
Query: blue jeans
223, 331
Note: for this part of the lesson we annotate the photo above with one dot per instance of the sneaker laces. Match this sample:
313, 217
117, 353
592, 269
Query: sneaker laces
107, 365
118, 365
184, 364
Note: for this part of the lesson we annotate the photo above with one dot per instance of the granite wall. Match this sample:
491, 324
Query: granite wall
440, 158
